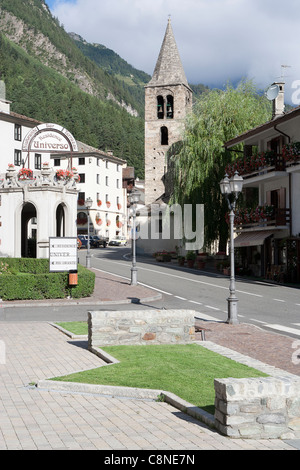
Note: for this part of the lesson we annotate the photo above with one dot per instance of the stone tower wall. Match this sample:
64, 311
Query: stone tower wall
155, 152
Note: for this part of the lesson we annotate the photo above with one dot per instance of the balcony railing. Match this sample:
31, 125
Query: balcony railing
265, 162
262, 216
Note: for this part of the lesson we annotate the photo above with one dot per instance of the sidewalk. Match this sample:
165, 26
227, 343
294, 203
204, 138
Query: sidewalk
46, 419
33, 418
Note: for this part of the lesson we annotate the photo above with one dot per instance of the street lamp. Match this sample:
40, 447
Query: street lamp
231, 189
88, 205
133, 198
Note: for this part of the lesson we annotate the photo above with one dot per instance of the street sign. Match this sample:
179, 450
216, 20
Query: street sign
62, 254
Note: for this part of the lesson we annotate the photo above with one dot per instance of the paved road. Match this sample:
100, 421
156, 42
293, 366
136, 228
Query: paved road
271, 306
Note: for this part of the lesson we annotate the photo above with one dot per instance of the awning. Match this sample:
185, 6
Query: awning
251, 238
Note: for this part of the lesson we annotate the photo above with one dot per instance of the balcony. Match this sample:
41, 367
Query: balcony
261, 218
264, 163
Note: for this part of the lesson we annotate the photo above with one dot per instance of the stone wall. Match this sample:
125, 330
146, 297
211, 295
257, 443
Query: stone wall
140, 327
260, 408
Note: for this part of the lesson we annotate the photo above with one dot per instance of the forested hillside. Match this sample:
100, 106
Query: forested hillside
55, 77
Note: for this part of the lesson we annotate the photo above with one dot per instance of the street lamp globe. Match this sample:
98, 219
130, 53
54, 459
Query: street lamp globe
88, 203
236, 184
225, 185
134, 197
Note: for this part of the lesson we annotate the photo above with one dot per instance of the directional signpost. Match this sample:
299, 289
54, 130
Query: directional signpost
62, 254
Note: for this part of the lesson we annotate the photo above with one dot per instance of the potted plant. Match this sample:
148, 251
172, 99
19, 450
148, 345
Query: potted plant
181, 260
226, 268
25, 174
201, 258
190, 258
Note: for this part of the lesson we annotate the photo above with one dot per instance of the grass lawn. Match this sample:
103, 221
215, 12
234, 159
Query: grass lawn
75, 327
187, 370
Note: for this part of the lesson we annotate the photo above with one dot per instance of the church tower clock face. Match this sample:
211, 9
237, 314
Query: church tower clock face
168, 99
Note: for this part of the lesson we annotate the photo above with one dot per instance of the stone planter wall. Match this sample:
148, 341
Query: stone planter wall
258, 408
140, 327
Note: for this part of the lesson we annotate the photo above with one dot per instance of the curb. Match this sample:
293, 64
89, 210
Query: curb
79, 302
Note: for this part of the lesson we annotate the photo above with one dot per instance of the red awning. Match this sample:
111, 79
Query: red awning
251, 238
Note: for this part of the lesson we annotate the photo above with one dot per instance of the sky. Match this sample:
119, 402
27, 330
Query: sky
219, 41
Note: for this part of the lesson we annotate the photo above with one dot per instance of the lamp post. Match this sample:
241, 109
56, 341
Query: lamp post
88, 205
231, 189
133, 198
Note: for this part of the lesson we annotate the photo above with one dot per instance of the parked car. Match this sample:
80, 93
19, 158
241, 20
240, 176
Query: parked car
83, 239
96, 241
118, 240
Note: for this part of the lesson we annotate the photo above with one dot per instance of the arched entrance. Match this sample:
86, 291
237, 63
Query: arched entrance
60, 221
28, 231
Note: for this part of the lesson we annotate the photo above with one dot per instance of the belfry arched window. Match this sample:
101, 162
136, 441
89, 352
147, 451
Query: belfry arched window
164, 135
160, 107
170, 107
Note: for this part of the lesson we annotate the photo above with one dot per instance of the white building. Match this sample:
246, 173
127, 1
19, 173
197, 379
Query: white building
101, 179
29, 146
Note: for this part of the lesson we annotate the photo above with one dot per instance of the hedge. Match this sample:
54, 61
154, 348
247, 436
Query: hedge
28, 278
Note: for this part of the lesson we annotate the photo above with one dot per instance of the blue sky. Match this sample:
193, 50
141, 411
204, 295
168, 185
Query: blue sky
218, 40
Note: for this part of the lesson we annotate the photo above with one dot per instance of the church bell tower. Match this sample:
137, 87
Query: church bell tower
168, 100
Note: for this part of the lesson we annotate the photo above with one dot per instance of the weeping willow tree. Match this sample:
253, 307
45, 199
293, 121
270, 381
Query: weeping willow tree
198, 163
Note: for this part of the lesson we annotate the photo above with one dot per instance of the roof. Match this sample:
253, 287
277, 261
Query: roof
264, 127
168, 69
15, 117
88, 150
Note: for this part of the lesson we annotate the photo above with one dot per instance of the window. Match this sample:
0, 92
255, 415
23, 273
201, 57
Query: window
18, 157
98, 179
82, 177
56, 161
81, 199
118, 183
81, 161
106, 180
170, 107
164, 136
18, 132
160, 107
106, 197
37, 161
98, 161
106, 164
118, 167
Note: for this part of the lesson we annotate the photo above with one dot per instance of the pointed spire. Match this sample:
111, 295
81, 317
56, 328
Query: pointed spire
168, 69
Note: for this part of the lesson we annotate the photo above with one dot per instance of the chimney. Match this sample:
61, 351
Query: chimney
5, 106
4, 103
278, 102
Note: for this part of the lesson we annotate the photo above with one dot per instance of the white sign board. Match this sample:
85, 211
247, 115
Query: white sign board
62, 254
49, 138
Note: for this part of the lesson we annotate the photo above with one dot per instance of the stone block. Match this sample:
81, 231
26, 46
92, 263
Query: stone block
139, 327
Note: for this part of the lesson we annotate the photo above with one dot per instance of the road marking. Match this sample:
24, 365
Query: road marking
203, 316
279, 300
194, 302
185, 278
284, 328
178, 297
139, 283
154, 288
213, 308
257, 321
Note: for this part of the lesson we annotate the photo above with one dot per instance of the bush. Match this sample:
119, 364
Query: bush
29, 279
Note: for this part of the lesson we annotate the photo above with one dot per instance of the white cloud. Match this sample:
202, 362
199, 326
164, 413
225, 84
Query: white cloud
218, 40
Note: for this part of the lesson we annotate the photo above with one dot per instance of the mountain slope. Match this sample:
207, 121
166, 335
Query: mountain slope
49, 79
30, 24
